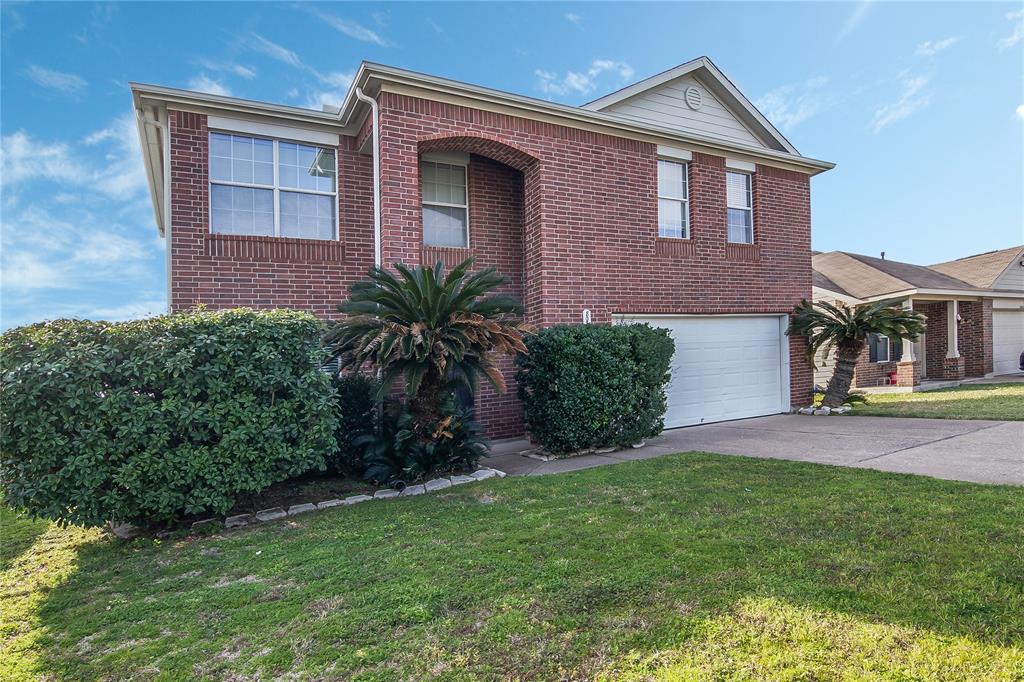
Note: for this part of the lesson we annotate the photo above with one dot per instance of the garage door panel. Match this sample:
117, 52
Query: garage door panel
724, 367
1007, 340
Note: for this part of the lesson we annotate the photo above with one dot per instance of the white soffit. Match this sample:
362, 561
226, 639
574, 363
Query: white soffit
272, 130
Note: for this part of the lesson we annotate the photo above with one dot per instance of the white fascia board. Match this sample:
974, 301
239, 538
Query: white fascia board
272, 130
944, 294
674, 153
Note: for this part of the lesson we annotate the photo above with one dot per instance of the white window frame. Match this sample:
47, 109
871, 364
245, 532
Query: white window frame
888, 349
748, 209
685, 209
448, 160
276, 187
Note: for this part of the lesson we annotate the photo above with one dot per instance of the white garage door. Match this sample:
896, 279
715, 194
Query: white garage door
725, 367
1007, 340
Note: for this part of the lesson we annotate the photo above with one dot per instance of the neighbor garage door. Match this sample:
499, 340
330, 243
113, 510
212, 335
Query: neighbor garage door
1007, 340
725, 367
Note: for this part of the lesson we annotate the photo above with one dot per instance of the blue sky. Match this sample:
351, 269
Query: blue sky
919, 104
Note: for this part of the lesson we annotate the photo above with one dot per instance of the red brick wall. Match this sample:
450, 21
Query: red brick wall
976, 337
867, 373
224, 271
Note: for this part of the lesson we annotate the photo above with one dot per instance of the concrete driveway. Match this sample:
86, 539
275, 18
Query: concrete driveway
977, 451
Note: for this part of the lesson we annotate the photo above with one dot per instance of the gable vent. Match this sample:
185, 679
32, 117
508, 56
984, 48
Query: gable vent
694, 98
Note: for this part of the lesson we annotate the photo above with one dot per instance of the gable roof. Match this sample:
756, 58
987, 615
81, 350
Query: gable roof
717, 82
867, 277
983, 269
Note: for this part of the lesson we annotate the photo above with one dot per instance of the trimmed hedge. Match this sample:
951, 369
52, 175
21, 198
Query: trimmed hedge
588, 386
357, 416
150, 420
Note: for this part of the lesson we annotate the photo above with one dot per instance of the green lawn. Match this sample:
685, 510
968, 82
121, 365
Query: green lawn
993, 401
692, 566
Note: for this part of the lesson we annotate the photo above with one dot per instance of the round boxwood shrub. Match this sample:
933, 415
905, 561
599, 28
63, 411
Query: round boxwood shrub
151, 420
588, 386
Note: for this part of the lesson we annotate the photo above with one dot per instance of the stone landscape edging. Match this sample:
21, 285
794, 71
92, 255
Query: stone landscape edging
277, 513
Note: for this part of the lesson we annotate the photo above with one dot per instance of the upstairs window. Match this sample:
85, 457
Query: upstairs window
740, 206
673, 200
445, 204
272, 188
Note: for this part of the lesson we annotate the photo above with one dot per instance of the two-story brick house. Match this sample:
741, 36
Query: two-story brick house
672, 201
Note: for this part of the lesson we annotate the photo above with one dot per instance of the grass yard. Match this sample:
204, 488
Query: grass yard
992, 401
692, 566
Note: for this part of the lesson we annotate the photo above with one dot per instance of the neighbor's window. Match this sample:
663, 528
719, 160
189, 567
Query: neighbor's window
740, 208
272, 188
878, 348
445, 204
673, 200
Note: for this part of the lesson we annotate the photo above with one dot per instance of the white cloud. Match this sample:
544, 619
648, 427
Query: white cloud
573, 18
275, 51
790, 105
233, 68
335, 95
337, 82
119, 173
435, 26
127, 311
56, 80
203, 83
351, 28
1018, 31
1019, 111
855, 18
932, 47
581, 82
911, 100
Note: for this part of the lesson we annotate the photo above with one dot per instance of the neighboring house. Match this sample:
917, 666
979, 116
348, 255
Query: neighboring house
673, 201
974, 306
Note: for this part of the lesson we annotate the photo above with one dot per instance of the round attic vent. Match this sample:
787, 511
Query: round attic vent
694, 99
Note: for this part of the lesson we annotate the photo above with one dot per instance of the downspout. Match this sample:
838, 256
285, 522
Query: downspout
375, 112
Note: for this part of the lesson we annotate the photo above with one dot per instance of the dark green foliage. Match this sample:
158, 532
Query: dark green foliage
406, 450
594, 385
150, 420
356, 400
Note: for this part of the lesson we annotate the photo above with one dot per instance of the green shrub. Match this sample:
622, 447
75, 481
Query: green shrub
594, 385
408, 450
356, 417
150, 420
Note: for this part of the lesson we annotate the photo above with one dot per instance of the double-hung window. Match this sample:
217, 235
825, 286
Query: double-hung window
272, 188
673, 200
445, 204
740, 207
882, 349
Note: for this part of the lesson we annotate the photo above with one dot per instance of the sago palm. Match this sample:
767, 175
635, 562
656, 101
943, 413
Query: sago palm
437, 331
844, 330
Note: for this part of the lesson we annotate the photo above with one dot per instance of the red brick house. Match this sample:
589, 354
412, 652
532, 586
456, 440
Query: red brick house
672, 201
974, 308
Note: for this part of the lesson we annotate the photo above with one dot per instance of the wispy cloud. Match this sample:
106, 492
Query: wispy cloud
102, 14
790, 105
573, 18
1018, 30
932, 47
580, 82
336, 82
119, 175
911, 99
855, 18
203, 83
67, 83
350, 28
1019, 112
233, 68
435, 26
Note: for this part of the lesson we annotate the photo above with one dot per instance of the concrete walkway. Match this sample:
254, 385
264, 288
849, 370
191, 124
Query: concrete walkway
977, 451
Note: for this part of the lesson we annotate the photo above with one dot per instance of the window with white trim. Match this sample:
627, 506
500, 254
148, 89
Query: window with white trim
445, 204
878, 348
272, 188
740, 207
673, 200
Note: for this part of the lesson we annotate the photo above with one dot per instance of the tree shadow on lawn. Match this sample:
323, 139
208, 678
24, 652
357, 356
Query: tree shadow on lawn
17, 535
541, 575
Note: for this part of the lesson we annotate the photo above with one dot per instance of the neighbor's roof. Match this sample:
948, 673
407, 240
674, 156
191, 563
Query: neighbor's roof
866, 277
983, 269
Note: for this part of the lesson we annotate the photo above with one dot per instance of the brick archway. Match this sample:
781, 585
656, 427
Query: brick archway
480, 145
